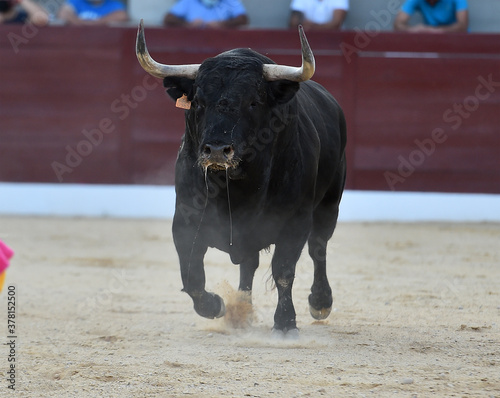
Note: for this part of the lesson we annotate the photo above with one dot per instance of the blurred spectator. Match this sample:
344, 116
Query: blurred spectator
207, 14
93, 12
440, 16
22, 11
318, 14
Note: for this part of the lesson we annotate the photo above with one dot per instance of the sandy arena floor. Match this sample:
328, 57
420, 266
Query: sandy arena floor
100, 313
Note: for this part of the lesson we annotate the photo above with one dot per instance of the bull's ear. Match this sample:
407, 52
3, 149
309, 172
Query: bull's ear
282, 91
178, 86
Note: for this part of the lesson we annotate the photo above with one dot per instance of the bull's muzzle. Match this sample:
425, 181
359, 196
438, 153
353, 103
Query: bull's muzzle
218, 157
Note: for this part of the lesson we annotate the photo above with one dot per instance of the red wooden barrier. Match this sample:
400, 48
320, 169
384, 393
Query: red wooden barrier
423, 111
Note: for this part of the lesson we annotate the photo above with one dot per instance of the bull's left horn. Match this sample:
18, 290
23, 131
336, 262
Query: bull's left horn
305, 72
156, 69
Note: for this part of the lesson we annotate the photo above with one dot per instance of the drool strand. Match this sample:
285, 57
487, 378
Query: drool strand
229, 207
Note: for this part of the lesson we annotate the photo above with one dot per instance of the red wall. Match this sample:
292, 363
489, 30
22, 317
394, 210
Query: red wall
75, 106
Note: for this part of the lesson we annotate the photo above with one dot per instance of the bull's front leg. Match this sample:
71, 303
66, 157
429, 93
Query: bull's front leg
191, 254
206, 304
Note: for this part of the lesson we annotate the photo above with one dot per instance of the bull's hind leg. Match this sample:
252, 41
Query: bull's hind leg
286, 254
239, 309
320, 299
324, 222
247, 272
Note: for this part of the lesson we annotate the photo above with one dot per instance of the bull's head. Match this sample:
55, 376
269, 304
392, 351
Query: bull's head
232, 95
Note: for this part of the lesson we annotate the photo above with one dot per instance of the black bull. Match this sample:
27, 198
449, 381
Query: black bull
261, 162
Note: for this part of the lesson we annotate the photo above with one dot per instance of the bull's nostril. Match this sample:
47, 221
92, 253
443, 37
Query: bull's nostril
218, 154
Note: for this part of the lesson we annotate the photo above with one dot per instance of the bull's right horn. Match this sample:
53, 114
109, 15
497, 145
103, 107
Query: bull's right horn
156, 69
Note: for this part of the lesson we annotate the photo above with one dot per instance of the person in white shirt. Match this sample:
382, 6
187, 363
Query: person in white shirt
318, 14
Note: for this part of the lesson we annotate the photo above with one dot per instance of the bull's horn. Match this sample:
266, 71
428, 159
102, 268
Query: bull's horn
305, 72
156, 69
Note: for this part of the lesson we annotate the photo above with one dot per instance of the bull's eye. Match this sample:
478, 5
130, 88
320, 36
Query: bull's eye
253, 105
197, 105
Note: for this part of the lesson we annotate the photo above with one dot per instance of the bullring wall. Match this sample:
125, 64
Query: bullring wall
422, 111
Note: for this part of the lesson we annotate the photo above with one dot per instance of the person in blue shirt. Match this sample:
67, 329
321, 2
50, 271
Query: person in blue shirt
207, 14
92, 12
440, 16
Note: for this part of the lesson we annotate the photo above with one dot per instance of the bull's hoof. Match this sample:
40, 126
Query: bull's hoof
320, 305
209, 305
222, 311
321, 313
286, 334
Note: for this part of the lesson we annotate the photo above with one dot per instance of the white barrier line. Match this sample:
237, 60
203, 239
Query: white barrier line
150, 201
